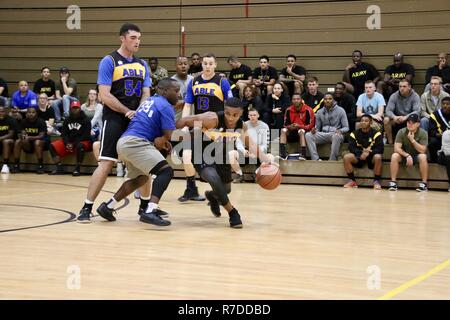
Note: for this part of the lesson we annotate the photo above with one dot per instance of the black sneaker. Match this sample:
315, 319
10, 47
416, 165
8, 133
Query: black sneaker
393, 186
213, 203
76, 173
154, 218
85, 215
40, 169
105, 212
239, 178
422, 187
58, 171
158, 211
15, 169
235, 219
191, 194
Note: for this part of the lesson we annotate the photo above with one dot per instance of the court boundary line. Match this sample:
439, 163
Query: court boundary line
424, 276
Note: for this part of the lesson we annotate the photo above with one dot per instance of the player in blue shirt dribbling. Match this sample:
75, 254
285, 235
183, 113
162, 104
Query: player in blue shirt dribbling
149, 131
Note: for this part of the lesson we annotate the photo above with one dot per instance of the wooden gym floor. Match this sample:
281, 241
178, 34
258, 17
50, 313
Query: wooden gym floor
298, 242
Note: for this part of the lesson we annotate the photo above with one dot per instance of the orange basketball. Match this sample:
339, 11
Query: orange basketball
268, 177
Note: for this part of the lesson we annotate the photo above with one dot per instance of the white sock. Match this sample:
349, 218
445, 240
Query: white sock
111, 203
151, 207
88, 201
239, 172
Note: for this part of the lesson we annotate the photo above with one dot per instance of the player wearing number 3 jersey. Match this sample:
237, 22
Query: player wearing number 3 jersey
124, 82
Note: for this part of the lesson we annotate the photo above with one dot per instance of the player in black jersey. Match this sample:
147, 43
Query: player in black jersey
206, 92
212, 165
124, 81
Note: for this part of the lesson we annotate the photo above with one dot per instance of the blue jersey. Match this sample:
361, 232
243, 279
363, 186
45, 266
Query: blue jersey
127, 79
152, 117
29, 100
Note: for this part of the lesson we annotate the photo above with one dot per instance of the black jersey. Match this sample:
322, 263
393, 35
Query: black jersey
208, 95
127, 82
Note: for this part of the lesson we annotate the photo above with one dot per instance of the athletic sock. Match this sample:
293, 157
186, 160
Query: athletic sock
151, 206
303, 151
88, 204
239, 172
144, 203
351, 176
111, 203
377, 177
190, 183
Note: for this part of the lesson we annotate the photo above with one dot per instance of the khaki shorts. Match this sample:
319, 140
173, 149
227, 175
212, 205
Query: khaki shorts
139, 155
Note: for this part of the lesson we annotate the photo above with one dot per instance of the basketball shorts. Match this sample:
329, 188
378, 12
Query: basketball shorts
139, 155
113, 128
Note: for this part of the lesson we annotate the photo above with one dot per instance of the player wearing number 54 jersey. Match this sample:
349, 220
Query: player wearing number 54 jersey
124, 82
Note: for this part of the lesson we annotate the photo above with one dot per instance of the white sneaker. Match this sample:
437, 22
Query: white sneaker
119, 169
5, 169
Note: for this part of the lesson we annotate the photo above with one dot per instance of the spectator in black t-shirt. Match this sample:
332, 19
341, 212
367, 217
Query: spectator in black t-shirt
240, 76
45, 85
312, 96
357, 73
442, 70
347, 102
276, 105
76, 138
264, 77
195, 69
292, 76
46, 113
251, 100
32, 139
393, 74
3, 93
7, 130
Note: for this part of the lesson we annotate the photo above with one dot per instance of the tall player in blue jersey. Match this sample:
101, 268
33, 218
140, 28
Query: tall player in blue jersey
149, 130
124, 81
206, 92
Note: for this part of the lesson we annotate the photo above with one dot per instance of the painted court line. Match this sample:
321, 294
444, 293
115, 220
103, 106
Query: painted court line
415, 281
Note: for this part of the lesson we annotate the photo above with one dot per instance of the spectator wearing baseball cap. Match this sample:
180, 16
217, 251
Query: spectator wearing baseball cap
410, 148
76, 138
66, 92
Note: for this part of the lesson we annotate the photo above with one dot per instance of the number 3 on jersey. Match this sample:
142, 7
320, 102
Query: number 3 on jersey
202, 103
130, 90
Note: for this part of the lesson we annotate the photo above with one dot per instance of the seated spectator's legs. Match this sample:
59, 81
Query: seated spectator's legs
66, 100
81, 148
269, 90
7, 148
349, 161
312, 140
283, 140
423, 166
434, 145
425, 123
57, 105
388, 130
336, 141
396, 158
377, 161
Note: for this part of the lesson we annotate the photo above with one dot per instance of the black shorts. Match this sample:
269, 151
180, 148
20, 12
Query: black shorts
113, 128
223, 170
30, 147
293, 136
362, 163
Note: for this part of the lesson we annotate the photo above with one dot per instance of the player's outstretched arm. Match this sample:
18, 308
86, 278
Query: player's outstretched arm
207, 120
